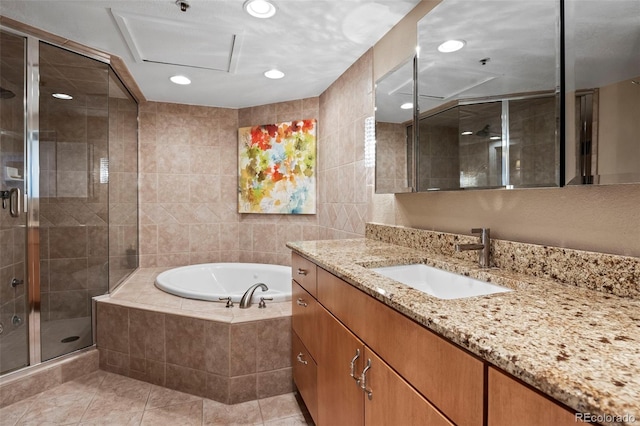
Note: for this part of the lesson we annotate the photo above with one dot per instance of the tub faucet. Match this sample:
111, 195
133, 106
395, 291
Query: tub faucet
484, 247
245, 302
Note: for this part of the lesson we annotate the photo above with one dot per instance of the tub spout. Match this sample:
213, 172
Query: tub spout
245, 302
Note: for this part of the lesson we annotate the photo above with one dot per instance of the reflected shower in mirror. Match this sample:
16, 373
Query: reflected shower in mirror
394, 118
602, 60
489, 109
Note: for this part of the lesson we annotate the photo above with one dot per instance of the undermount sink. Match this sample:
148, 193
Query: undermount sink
439, 283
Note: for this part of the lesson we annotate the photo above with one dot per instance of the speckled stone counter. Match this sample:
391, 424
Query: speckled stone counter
579, 346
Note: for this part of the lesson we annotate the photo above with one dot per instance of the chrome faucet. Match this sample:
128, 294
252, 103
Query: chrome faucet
245, 302
484, 247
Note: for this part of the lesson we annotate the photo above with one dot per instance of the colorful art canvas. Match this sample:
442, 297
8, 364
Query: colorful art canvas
277, 168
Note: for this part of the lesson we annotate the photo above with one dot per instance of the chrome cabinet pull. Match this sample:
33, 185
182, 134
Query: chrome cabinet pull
363, 381
300, 360
302, 271
301, 302
353, 368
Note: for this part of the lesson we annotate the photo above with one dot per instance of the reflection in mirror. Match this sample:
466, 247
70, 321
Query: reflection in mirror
489, 110
602, 40
394, 118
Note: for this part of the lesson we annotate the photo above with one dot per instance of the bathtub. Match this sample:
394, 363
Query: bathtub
213, 281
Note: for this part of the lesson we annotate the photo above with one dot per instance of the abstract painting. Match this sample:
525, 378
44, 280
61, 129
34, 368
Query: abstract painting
277, 168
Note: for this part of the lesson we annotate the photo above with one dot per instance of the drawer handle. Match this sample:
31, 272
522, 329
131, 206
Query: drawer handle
301, 302
302, 271
363, 381
300, 360
353, 367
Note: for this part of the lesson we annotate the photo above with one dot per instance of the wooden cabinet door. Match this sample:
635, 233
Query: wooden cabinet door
392, 401
510, 403
340, 399
305, 375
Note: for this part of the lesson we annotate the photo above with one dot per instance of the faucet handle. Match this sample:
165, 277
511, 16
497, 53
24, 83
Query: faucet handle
229, 302
480, 230
262, 304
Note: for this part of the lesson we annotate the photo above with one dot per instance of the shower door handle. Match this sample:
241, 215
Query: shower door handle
14, 202
13, 195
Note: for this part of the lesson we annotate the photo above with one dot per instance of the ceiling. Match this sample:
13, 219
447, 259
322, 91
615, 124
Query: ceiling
222, 49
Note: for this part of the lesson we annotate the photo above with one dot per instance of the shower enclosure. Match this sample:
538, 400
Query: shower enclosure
68, 179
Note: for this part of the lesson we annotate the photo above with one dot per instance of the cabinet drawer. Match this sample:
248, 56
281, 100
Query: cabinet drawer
303, 271
305, 375
344, 301
304, 314
510, 402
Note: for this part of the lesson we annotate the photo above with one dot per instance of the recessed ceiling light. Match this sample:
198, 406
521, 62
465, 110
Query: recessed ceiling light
495, 138
274, 74
466, 133
407, 105
180, 79
451, 46
63, 96
260, 8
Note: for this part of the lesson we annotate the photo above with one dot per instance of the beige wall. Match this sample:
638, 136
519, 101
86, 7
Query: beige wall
598, 218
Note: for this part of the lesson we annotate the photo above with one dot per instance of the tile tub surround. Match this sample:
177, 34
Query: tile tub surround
576, 345
202, 348
607, 273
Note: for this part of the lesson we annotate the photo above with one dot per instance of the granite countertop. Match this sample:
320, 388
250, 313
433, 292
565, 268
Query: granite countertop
579, 346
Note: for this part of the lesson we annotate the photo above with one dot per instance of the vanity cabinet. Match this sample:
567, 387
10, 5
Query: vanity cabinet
511, 402
303, 271
356, 387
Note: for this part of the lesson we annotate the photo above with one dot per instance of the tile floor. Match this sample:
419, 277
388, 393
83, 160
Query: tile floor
102, 398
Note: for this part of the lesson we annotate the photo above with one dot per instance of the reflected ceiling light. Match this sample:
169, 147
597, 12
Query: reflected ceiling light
466, 133
274, 74
407, 105
180, 79
259, 8
451, 46
63, 96
495, 138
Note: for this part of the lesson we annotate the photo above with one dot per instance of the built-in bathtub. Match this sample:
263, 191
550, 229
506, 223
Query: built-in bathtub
230, 355
216, 281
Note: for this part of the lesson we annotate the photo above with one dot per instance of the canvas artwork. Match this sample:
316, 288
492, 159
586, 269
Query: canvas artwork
277, 168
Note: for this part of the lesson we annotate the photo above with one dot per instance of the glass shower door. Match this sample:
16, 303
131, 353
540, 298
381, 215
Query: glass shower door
14, 346
74, 191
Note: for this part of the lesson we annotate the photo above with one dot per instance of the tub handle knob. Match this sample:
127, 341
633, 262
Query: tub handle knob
302, 271
262, 305
229, 302
301, 302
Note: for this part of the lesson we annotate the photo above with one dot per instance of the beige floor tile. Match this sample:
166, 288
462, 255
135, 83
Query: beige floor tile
10, 414
185, 414
112, 419
288, 421
163, 397
65, 409
217, 413
279, 407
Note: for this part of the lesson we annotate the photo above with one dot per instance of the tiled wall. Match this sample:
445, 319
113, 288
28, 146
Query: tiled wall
230, 363
345, 185
188, 193
391, 157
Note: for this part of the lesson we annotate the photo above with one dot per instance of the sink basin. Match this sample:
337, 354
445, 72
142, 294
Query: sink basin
439, 283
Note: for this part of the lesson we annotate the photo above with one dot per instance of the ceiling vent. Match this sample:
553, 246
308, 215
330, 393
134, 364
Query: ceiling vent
171, 42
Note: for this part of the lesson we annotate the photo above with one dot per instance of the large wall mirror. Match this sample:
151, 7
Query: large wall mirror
603, 91
488, 90
394, 140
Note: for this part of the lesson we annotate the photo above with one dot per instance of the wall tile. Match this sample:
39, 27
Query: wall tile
242, 389
272, 383
243, 349
273, 347
186, 380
